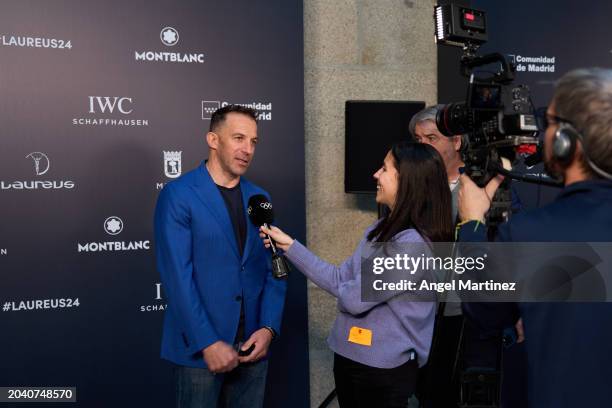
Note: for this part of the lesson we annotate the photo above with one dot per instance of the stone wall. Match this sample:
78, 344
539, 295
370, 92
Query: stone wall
353, 49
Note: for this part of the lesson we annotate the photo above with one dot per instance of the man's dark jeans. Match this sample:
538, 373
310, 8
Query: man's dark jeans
243, 387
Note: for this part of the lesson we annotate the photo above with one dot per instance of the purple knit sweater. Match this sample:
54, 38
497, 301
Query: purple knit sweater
398, 324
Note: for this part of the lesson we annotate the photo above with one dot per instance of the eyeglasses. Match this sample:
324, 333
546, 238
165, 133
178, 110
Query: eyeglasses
544, 119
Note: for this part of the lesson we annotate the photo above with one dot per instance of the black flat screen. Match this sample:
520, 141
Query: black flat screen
371, 128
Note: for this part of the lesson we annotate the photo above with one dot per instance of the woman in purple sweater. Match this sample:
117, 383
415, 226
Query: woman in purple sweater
379, 346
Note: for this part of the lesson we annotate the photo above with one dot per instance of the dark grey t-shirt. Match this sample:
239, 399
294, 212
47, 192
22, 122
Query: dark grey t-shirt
235, 208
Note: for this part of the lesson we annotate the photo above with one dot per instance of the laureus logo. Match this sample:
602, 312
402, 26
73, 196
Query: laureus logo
41, 162
34, 42
169, 36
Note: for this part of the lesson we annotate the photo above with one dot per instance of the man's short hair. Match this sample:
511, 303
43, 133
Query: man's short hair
584, 97
218, 117
427, 114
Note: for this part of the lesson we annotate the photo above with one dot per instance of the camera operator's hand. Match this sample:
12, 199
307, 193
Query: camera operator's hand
520, 332
474, 202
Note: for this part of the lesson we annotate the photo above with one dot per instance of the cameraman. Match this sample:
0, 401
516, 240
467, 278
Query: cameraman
569, 362
424, 130
439, 379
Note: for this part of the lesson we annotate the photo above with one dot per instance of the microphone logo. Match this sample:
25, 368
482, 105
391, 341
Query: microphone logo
260, 212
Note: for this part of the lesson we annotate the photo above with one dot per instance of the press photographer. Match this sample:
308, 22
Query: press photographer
496, 119
567, 344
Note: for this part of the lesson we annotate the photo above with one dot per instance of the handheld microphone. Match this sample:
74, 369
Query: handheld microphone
261, 213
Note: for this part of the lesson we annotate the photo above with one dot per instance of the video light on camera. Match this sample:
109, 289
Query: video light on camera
456, 25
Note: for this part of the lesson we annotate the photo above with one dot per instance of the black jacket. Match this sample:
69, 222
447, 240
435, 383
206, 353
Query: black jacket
569, 345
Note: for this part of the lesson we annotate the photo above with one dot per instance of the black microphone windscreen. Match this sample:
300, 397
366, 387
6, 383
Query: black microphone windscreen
260, 210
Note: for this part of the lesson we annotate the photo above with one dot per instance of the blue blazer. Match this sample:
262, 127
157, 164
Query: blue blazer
203, 276
567, 344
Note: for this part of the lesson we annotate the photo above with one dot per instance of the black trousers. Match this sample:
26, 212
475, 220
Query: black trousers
437, 387
362, 386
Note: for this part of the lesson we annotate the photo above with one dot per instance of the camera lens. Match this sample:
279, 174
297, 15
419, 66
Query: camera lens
453, 119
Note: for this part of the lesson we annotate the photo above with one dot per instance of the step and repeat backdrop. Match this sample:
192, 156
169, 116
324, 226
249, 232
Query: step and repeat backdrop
546, 39
101, 104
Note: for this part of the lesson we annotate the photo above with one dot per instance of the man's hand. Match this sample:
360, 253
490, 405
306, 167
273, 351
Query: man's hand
220, 357
283, 241
261, 339
520, 332
474, 202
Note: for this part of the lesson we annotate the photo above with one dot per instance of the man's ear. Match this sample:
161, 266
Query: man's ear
458, 142
213, 140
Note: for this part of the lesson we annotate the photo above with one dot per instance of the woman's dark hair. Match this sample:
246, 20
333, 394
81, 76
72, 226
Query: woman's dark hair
423, 200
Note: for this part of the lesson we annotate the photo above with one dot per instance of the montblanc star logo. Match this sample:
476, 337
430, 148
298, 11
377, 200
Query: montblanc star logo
113, 225
169, 36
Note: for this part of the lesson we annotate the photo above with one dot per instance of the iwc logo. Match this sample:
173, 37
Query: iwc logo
161, 305
169, 36
110, 111
172, 164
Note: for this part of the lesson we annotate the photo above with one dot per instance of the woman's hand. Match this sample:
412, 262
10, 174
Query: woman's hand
283, 241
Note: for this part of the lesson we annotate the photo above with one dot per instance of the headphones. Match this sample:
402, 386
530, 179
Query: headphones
564, 142
564, 146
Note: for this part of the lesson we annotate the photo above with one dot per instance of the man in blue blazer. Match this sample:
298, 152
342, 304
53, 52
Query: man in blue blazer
568, 344
217, 274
